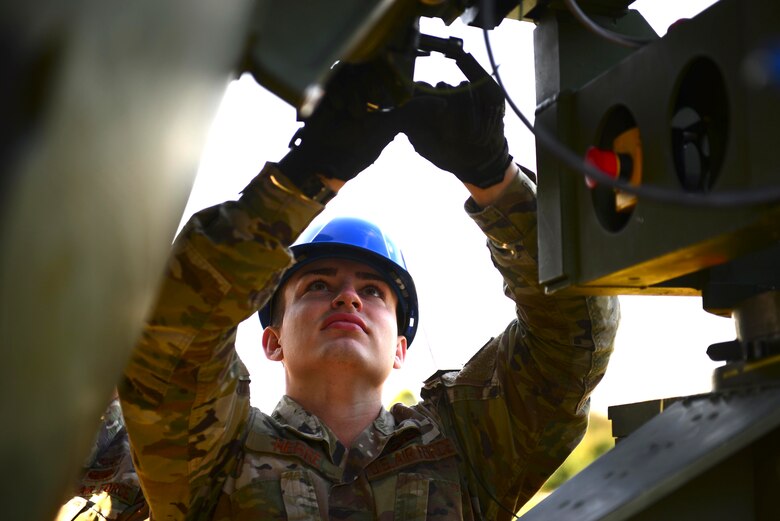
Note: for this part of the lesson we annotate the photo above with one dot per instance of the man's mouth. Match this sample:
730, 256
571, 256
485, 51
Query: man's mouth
345, 321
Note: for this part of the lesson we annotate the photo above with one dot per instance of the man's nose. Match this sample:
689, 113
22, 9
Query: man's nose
347, 296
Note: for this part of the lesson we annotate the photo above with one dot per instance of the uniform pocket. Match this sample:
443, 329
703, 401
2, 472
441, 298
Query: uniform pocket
419, 497
300, 499
411, 497
261, 499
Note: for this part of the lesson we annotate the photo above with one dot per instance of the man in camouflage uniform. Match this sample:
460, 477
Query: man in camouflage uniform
108, 487
482, 440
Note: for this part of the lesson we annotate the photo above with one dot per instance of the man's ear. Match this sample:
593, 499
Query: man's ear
400, 352
271, 345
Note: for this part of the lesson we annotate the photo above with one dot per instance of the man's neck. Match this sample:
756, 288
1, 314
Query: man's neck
345, 410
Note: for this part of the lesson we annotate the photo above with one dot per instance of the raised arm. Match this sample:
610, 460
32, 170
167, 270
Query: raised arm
181, 396
185, 407
534, 379
520, 405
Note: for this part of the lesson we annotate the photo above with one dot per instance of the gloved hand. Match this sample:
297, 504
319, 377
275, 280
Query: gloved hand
341, 138
461, 129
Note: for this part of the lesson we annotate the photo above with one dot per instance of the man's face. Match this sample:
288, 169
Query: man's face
339, 315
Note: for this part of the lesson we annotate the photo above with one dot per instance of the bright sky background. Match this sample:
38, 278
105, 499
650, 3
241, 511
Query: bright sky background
660, 349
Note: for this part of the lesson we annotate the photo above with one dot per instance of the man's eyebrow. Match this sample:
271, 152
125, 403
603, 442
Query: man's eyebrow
318, 271
330, 272
367, 275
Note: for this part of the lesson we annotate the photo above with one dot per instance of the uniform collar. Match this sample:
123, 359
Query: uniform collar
290, 414
295, 419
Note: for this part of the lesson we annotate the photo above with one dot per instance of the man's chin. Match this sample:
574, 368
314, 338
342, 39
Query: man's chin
344, 348
349, 352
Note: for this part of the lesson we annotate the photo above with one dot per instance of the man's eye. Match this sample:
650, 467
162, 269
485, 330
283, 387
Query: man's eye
374, 291
317, 285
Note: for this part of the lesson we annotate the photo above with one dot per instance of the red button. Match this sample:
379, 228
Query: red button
605, 160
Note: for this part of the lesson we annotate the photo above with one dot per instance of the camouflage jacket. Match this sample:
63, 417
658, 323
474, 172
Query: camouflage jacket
108, 487
481, 442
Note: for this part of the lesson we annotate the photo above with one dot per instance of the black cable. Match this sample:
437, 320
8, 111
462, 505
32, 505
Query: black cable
590, 25
575, 162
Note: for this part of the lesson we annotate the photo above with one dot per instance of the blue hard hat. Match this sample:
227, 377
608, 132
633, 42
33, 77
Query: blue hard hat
362, 241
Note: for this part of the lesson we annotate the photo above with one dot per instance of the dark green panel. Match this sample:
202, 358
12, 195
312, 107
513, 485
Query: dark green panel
698, 64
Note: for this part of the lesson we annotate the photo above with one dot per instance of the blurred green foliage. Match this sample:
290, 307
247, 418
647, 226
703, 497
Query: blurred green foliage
405, 397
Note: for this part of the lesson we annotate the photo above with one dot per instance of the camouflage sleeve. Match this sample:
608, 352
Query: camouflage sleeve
179, 392
520, 405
